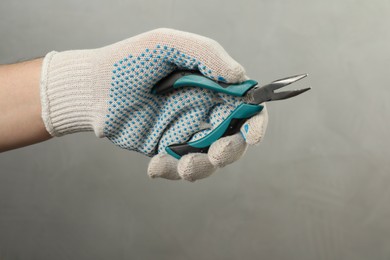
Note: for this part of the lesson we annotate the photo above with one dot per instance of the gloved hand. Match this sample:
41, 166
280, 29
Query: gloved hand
108, 91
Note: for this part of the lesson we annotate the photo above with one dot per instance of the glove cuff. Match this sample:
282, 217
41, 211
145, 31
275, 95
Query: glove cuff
69, 103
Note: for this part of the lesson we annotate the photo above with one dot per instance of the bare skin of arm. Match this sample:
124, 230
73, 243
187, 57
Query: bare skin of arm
20, 105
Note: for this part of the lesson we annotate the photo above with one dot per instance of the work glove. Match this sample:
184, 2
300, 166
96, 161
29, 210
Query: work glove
108, 91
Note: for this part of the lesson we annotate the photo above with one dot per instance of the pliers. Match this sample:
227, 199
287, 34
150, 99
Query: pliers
254, 95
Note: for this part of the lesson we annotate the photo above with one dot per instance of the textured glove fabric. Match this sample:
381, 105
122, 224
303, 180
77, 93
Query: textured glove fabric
108, 91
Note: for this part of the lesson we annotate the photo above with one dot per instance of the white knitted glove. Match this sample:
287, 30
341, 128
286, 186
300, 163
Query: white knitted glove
108, 91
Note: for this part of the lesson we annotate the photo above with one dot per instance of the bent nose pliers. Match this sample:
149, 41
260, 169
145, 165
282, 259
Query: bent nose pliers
253, 95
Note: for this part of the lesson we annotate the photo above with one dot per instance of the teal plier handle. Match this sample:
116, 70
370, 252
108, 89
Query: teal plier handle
230, 126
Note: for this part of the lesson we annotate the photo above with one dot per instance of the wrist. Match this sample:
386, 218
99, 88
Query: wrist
69, 99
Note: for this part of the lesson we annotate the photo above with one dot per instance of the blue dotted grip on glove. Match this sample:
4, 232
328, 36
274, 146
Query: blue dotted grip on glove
142, 121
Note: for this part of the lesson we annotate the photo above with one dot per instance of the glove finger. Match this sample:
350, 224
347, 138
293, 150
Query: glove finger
227, 150
163, 166
198, 52
254, 128
195, 166
217, 64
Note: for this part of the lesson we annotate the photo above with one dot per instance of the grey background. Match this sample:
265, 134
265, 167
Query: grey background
317, 188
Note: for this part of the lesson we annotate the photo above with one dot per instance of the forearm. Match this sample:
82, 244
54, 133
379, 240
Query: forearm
20, 106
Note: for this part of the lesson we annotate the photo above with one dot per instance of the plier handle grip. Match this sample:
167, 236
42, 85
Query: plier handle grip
249, 89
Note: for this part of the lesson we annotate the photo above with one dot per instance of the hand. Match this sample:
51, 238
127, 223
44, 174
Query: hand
108, 91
